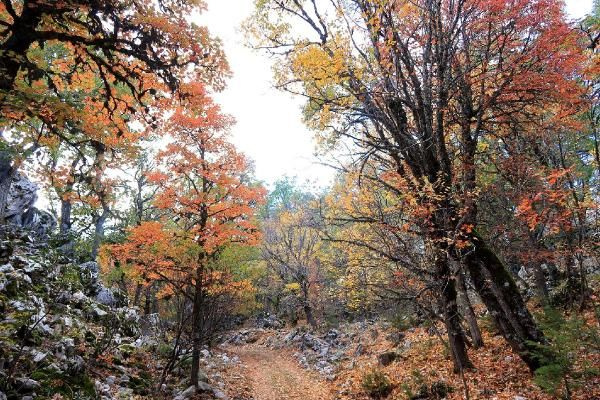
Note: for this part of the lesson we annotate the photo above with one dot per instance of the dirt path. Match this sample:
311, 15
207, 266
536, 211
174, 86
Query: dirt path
266, 374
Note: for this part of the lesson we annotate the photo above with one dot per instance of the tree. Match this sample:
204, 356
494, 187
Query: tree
417, 85
206, 186
291, 249
95, 66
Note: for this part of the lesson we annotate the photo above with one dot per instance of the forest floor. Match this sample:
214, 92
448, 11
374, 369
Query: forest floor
269, 366
267, 374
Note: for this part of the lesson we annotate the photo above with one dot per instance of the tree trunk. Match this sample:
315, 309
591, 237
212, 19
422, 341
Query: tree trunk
467, 310
197, 327
137, 294
99, 231
452, 318
148, 302
308, 311
11, 57
309, 315
65, 216
498, 290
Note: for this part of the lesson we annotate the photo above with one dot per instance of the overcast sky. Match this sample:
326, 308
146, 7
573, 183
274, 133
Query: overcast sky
269, 128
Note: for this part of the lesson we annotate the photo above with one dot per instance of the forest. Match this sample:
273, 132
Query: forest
455, 254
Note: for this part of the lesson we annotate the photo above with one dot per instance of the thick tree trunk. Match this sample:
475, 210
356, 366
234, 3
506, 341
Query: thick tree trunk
65, 216
99, 231
467, 310
498, 290
309, 316
308, 311
456, 338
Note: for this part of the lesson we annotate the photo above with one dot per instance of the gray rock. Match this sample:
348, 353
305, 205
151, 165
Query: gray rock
186, 394
6, 268
21, 197
105, 296
27, 384
2, 396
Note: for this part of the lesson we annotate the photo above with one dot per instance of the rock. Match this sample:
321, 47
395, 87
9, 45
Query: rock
2, 396
6, 268
40, 222
519, 398
332, 335
105, 296
21, 197
269, 322
64, 297
205, 353
387, 358
89, 273
39, 356
219, 395
396, 337
27, 384
187, 393
202, 377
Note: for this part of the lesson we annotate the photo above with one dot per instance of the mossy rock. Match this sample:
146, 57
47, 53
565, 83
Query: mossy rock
70, 386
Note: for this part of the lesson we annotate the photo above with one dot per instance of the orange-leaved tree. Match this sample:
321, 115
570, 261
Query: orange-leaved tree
88, 68
417, 85
206, 189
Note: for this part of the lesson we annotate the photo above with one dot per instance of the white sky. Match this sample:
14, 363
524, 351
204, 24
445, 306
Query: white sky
269, 125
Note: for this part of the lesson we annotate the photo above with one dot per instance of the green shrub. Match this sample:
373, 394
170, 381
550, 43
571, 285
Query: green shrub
376, 384
559, 372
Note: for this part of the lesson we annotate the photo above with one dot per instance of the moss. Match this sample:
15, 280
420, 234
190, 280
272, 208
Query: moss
54, 382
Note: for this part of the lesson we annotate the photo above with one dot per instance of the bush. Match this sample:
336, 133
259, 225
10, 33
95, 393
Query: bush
435, 391
559, 372
376, 384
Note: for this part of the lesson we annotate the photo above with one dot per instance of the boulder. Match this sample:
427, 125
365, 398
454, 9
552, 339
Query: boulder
21, 197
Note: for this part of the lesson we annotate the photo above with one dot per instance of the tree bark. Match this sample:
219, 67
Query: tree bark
456, 337
467, 310
99, 231
498, 290
197, 325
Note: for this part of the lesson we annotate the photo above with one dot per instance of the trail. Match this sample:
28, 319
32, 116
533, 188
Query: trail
275, 375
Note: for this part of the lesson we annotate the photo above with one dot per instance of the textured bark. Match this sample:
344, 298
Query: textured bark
467, 311
452, 319
498, 291
99, 231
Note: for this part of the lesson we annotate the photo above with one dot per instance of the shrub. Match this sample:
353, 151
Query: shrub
376, 384
559, 372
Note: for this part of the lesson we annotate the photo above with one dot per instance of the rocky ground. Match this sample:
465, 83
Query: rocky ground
64, 335
297, 363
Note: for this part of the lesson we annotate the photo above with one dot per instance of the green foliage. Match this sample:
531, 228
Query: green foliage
559, 372
376, 384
